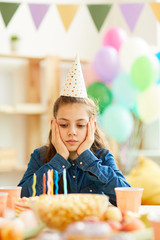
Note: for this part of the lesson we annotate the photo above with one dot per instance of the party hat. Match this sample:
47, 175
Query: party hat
74, 85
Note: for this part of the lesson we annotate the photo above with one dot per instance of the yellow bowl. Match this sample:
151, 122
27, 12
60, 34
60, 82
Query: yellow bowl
58, 211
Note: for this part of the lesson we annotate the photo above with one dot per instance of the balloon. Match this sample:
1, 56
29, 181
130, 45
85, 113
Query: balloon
132, 49
101, 94
115, 37
117, 122
135, 110
145, 71
149, 104
106, 64
89, 74
124, 91
158, 56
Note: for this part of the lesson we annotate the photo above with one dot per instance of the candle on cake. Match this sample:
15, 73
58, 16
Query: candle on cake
48, 182
52, 184
65, 182
56, 182
44, 183
34, 185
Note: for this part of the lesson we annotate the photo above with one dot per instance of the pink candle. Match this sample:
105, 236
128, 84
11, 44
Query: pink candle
44, 183
48, 182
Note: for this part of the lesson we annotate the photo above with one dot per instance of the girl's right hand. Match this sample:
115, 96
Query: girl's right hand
57, 141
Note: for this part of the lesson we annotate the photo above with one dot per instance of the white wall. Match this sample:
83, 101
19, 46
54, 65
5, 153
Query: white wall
82, 36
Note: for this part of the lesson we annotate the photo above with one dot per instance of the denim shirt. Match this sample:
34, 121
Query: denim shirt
88, 173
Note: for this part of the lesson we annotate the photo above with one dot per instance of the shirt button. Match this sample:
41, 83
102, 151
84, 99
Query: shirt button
63, 166
73, 164
74, 176
80, 163
90, 190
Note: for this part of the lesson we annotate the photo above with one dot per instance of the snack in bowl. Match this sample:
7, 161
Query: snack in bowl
58, 211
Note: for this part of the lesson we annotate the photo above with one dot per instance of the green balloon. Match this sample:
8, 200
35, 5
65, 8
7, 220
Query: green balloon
101, 94
145, 71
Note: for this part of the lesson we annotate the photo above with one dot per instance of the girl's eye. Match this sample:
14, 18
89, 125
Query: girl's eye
63, 125
81, 126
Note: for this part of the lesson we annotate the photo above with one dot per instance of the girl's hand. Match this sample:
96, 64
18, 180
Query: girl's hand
87, 143
57, 141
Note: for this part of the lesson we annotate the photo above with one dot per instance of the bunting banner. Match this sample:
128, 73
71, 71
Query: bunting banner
67, 13
99, 12
155, 6
8, 10
38, 12
131, 13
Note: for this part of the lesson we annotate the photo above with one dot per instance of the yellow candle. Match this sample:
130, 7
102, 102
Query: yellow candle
34, 185
51, 181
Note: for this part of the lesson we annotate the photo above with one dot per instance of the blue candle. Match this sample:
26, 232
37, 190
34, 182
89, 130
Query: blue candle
64, 182
56, 181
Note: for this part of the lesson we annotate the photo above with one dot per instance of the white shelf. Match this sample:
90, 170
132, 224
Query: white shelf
25, 108
150, 152
15, 169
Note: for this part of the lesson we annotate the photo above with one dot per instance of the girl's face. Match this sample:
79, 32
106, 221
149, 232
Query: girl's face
72, 120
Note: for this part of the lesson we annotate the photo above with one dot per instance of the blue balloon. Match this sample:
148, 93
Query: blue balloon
135, 110
124, 91
158, 56
118, 122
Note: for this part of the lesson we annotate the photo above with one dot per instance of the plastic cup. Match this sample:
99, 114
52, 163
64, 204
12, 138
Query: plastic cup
13, 194
155, 222
128, 198
3, 202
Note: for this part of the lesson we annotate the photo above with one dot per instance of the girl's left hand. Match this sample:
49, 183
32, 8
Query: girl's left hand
87, 143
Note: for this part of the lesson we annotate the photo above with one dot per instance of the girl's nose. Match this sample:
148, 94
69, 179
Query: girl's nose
72, 130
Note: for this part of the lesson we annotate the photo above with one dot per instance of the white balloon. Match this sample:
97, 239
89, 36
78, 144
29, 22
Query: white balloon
130, 50
149, 104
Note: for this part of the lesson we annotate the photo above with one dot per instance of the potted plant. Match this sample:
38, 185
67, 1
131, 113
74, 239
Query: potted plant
14, 42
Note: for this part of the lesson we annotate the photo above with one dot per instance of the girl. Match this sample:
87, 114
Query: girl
75, 143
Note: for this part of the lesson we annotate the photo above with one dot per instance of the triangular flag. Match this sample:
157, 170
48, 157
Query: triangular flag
38, 11
131, 13
8, 10
99, 12
67, 12
156, 9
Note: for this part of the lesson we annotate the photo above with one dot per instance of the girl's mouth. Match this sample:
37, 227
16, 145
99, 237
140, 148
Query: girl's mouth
71, 141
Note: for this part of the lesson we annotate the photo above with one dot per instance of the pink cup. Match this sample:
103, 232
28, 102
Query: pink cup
155, 221
13, 194
128, 198
3, 202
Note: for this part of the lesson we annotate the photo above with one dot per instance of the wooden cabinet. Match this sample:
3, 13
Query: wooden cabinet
42, 80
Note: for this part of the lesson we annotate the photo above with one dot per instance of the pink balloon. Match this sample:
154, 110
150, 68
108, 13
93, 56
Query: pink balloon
89, 74
115, 37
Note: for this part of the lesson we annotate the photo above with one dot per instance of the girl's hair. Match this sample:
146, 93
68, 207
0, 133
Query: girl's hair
92, 110
99, 142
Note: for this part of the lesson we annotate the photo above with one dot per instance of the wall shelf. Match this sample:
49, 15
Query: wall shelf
26, 109
41, 87
150, 152
15, 169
